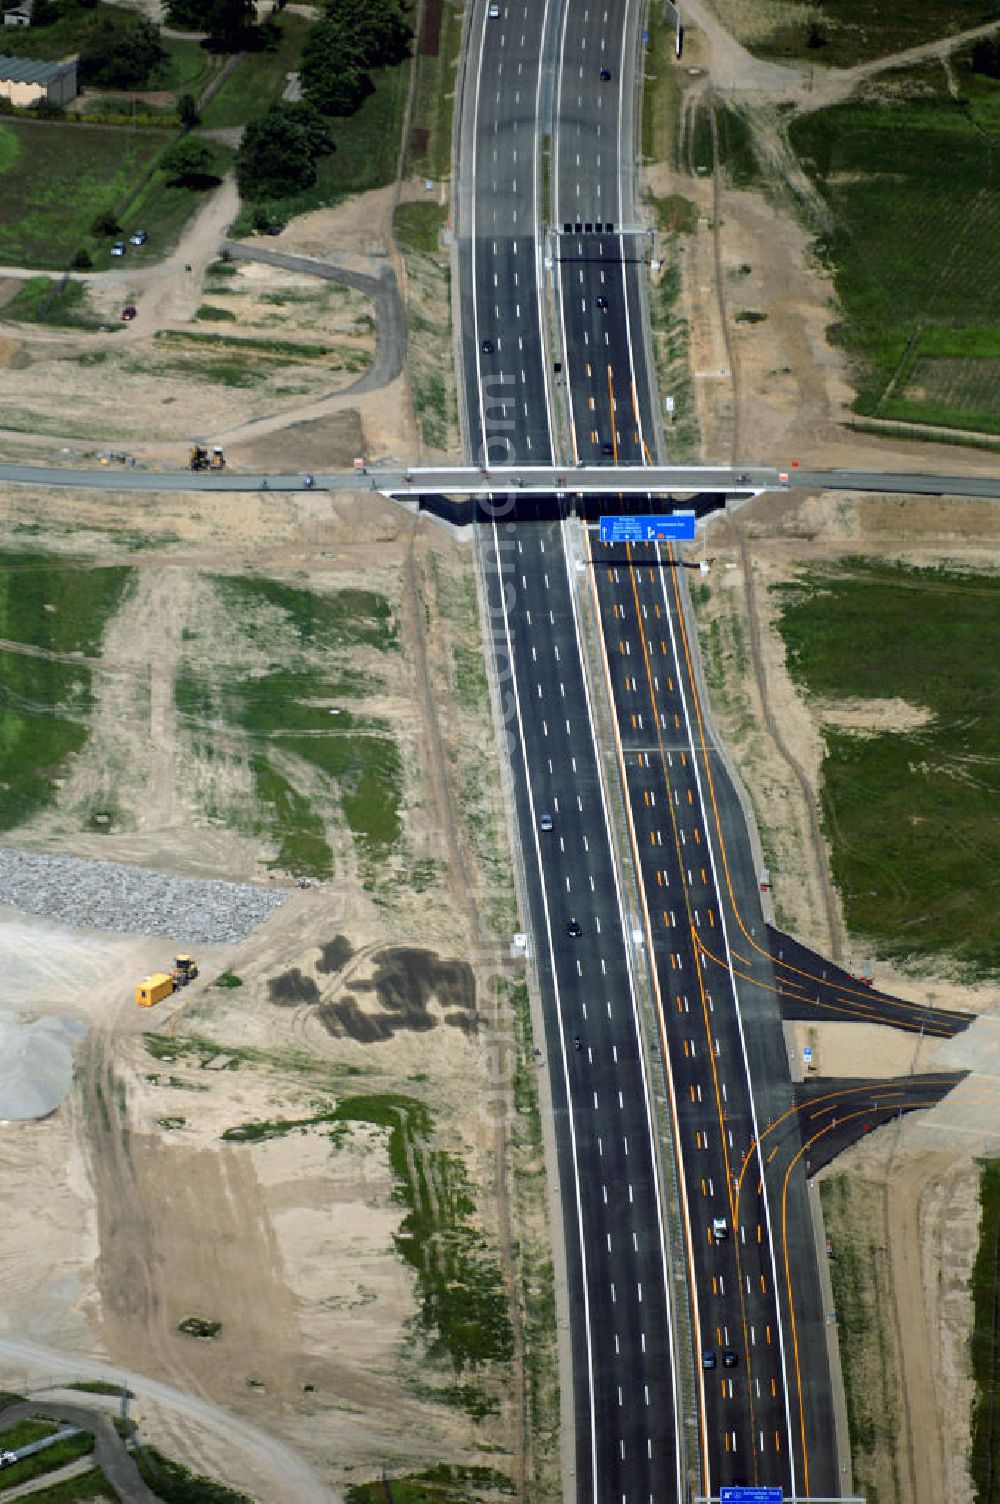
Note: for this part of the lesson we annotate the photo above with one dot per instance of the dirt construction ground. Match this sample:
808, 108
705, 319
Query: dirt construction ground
126, 1211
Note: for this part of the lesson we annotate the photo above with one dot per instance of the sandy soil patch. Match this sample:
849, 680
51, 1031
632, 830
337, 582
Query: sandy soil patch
352, 233
919, 1204
874, 716
137, 1214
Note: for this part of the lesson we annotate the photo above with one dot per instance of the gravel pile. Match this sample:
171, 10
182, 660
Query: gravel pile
133, 900
36, 1064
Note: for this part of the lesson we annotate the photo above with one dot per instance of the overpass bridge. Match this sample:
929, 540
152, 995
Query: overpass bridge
462, 491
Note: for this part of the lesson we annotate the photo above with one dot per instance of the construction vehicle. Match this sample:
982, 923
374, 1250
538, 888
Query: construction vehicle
153, 989
200, 459
185, 970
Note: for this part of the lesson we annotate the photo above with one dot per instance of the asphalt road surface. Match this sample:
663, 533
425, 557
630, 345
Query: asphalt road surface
622, 1374
701, 487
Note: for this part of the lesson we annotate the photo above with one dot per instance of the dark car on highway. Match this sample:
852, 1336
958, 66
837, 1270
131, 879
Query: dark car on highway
574, 929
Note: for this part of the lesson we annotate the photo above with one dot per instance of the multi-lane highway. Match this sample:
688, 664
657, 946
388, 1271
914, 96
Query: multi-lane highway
626, 1443
758, 1371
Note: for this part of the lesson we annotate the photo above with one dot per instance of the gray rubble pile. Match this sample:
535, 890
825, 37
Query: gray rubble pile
132, 900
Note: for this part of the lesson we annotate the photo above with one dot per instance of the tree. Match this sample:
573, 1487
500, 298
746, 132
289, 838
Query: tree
380, 29
189, 162
105, 224
187, 15
334, 77
230, 23
279, 151
83, 260
986, 57
187, 110
227, 23
119, 51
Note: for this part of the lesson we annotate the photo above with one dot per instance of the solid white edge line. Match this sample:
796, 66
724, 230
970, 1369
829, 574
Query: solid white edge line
483, 454
562, 1028
539, 247
739, 1020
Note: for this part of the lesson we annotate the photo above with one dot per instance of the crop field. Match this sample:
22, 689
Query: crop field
837, 33
955, 372
914, 248
910, 816
47, 613
55, 178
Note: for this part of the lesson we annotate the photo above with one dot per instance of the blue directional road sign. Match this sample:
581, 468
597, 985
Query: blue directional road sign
739, 1494
675, 527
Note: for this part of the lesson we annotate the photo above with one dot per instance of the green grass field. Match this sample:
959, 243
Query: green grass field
258, 79
54, 179
312, 760
44, 300
984, 1459
837, 33
44, 701
49, 1460
911, 817
916, 206
443, 1484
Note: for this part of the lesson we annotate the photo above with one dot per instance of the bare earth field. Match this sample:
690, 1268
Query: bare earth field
126, 1211
280, 399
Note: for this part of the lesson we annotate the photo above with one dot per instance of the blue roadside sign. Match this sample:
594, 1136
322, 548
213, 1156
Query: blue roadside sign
740, 1494
673, 527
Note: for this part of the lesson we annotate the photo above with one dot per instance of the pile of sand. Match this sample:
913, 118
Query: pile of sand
36, 1063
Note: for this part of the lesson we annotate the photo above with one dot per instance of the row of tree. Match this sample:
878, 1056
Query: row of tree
354, 37
279, 153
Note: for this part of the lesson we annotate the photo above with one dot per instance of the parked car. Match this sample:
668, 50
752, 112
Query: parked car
129, 312
118, 249
139, 237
